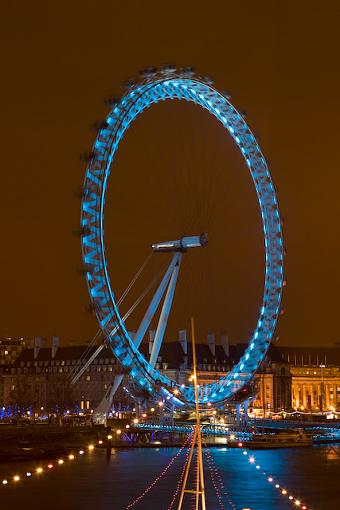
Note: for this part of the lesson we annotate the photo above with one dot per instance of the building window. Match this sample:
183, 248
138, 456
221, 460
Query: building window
88, 378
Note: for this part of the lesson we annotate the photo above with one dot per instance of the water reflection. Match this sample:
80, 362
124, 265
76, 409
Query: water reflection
95, 481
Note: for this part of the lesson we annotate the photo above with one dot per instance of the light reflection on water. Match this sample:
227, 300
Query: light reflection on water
93, 482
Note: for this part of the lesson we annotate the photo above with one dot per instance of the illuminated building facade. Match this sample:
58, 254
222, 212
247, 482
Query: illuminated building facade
303, 379
316, 388
289, 379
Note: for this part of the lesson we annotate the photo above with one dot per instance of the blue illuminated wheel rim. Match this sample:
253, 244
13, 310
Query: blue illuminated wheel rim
156, 86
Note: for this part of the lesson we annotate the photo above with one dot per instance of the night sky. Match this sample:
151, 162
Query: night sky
176, 172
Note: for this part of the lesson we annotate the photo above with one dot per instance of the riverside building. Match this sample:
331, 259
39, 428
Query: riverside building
39, 378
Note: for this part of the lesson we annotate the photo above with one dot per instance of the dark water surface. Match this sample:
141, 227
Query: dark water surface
93, 482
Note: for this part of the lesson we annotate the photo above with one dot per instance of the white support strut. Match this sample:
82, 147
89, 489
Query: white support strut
168, 284
163, 319
155, 301
106, 401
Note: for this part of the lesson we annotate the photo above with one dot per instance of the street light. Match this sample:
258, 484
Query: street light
322, 366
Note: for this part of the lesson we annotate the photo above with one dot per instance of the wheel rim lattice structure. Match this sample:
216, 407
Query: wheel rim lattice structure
154, 87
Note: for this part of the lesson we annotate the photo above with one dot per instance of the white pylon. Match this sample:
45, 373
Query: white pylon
199, 490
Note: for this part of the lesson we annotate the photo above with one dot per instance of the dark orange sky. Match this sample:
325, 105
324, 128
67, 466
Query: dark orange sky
280, 62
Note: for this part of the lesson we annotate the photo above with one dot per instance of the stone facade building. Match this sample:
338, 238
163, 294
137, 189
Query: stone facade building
39, 378
10, 348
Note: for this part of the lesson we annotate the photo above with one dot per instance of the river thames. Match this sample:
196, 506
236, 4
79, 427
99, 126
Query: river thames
92, 481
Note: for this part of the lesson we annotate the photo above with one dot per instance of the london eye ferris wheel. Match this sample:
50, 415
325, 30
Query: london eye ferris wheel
155, 85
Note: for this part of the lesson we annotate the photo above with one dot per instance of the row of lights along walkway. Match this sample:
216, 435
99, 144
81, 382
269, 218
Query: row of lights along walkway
39, 470
270, 479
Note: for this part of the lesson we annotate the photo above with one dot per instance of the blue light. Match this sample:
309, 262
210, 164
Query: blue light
106, 144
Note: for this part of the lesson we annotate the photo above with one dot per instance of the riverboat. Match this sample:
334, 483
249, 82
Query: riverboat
284, 439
